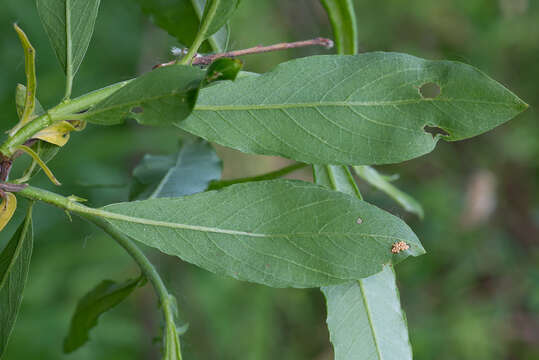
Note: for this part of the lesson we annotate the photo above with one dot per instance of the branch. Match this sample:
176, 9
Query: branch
208, 59
95, 216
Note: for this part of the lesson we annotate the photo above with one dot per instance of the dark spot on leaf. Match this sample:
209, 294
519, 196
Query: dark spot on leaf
435, 130
430, 90
137, 110
359, 221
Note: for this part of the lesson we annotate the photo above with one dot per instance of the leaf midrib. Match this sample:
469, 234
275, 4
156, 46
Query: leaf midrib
144, 221
369, 317
202, 107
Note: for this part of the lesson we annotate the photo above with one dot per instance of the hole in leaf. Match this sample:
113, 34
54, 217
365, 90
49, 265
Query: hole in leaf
435, 130
137, 110
430, 90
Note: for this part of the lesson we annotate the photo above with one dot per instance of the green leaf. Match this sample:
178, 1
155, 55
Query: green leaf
343, 21
278, 233
188, 172
222, 69
160, 97
20, 100
14, 266
69, 25
46, 152
372, 176
360, 109
216, 15
181, 19
101, 299
365, 319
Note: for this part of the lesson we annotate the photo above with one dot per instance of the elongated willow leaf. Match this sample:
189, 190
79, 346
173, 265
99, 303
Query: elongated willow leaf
188, 172
181, 19
69, 25
360, 109
279, 233
374, 178
160, 97
216, 15
29, 105
14, 265
365, 319
343, 22
101, 299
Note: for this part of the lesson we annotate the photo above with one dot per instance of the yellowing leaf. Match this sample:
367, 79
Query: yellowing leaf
7, 208
58, 134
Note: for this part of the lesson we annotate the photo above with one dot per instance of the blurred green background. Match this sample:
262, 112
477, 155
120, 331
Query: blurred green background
475, 295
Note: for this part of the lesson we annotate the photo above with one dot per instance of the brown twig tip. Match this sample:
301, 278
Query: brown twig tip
327, 43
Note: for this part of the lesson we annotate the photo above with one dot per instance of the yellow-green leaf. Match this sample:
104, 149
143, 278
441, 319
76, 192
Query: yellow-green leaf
7, 208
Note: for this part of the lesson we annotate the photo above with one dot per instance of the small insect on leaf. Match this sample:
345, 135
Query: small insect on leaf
7, 208
399, 246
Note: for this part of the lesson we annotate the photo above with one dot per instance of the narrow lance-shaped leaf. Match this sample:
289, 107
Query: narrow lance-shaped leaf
372, 176
14, 266
343, 22
357, 109
216, 15
280, 233
364, 317
188, 172
101, 299
160, 97
181, 19
69, 25
29, 104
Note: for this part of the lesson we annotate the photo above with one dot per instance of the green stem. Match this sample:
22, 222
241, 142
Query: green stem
95, 216
69, 54
201, 35
58, 113
215, 185
10, 146
85, 101
165, 299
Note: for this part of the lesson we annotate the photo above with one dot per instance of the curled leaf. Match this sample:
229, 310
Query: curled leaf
7, 208
40, 162
31, 83
58, 134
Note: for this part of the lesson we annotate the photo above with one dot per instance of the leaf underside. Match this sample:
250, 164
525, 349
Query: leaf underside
188, 172
82, 14
365, 319
279, 233
160, 97
356, 109
181, 19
